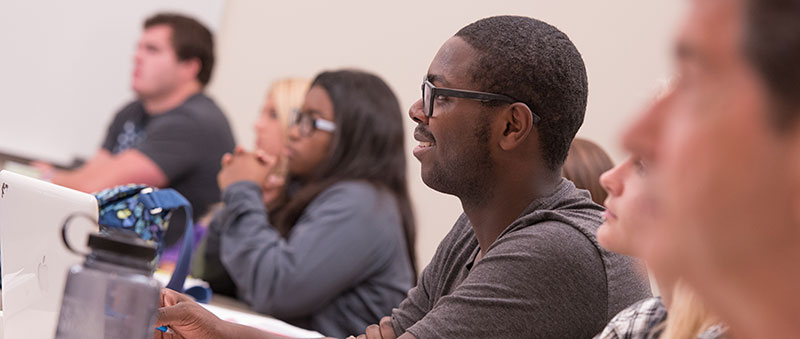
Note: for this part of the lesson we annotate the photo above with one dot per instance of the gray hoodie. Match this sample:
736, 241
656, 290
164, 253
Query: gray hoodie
544, 277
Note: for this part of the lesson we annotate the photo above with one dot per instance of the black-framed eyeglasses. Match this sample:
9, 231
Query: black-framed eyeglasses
430, 92
306, 123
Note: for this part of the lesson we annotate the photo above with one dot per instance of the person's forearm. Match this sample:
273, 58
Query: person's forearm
80, 179
277, 276
77, 178
62, 177
250, 240
222, 329
105, 171
70, 178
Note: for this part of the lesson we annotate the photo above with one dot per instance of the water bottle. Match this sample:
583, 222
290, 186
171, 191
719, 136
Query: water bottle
113, 293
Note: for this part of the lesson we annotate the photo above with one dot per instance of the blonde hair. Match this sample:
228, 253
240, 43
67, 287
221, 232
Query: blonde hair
287, 95
687, 316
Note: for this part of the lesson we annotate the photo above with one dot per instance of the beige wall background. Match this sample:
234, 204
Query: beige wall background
625, 44
65, 67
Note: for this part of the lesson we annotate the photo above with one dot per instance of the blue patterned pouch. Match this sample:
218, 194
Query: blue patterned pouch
147, 211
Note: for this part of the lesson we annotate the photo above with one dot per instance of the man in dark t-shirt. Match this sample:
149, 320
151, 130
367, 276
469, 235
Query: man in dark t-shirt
173, 135
186, 143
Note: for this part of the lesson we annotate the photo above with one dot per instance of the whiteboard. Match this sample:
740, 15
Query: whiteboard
65, 69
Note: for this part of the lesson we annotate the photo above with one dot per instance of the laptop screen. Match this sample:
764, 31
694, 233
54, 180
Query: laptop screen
33, 258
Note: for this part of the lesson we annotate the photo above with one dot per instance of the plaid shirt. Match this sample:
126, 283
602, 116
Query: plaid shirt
639, 321
643, 320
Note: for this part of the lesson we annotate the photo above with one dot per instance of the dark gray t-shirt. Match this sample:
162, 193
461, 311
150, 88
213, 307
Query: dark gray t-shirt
186, 142
544, 277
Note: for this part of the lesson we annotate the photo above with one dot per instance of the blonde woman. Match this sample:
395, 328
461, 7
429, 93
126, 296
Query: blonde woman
284, 96
628, 214
271, 127
689, 318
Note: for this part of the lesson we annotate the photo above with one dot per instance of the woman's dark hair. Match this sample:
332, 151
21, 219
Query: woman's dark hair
368, 145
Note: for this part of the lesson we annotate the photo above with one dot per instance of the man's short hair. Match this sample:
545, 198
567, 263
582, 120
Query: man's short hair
535, 63
190, 40
772, 46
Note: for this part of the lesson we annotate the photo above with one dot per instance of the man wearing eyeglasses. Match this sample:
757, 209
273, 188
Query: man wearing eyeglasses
500, 105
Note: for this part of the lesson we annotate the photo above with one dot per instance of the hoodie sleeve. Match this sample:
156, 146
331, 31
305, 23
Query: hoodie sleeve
339, 241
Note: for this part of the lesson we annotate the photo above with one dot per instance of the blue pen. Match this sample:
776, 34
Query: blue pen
164, 329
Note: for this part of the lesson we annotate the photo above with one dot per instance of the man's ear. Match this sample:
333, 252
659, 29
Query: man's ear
192, 67
518, 124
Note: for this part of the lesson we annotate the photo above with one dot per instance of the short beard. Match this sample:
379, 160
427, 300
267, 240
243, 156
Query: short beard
467, 176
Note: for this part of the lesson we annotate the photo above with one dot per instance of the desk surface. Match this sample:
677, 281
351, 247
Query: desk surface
230, 309
233, 304
21, 159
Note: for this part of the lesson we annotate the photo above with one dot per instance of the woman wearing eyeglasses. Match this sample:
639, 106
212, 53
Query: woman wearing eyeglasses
338, 254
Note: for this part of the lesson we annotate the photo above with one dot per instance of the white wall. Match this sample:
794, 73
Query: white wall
65, 66
625, 44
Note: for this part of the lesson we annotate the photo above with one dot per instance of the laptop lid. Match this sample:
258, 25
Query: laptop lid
33, 258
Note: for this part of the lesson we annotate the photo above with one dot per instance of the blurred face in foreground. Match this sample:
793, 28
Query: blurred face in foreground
726, 175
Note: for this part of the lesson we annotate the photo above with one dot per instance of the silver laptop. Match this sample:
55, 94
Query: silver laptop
33, 258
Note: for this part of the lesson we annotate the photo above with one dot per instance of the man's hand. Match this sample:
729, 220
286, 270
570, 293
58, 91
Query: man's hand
382, 331
186, 318
244, 166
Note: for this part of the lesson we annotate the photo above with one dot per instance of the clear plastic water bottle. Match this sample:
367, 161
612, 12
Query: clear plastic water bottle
113, 293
